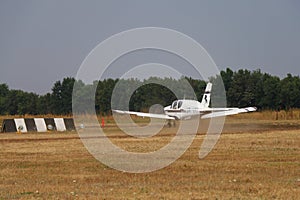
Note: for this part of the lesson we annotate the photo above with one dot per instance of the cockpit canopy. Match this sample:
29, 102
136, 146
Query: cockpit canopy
176, 104
185, 104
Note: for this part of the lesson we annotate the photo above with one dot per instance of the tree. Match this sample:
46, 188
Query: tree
227, 77
56, 98
290, 92
103, 95
66, 95
271, 90
237, 91
3, 98
44, 104
243, 88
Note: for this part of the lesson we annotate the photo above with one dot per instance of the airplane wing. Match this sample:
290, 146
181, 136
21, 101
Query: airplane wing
141, 114
218, 112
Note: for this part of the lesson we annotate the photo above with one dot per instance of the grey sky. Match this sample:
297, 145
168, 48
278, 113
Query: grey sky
44, 41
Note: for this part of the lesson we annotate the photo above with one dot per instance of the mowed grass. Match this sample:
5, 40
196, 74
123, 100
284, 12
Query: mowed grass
253, 159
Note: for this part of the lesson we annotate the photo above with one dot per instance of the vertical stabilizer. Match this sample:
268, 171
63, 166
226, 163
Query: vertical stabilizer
206, 97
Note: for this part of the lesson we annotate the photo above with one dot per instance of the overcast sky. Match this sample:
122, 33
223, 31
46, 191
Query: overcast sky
44, 41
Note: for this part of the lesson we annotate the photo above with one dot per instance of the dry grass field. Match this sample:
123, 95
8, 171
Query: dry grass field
257, 157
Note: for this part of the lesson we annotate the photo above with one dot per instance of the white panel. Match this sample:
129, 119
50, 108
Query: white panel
20, 125
40, 124
60, 124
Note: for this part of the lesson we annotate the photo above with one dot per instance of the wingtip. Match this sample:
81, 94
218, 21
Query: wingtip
251, 109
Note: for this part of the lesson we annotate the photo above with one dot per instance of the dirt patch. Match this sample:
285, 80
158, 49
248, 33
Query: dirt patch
243, 165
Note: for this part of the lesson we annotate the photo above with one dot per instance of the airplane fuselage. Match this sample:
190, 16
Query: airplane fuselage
183, 109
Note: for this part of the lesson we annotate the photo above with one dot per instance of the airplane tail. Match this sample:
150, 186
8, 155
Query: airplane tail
206, 97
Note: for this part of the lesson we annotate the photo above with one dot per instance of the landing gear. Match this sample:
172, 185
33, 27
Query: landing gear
171, 123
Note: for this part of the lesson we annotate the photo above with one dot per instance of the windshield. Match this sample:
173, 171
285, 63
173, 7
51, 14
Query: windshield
174, 105
179, 104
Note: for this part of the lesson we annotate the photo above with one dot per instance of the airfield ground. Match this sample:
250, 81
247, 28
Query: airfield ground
254, 159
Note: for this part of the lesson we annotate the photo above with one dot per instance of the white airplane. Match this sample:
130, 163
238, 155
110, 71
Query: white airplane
186, 109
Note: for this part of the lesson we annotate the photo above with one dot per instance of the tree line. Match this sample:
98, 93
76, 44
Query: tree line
243, 88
